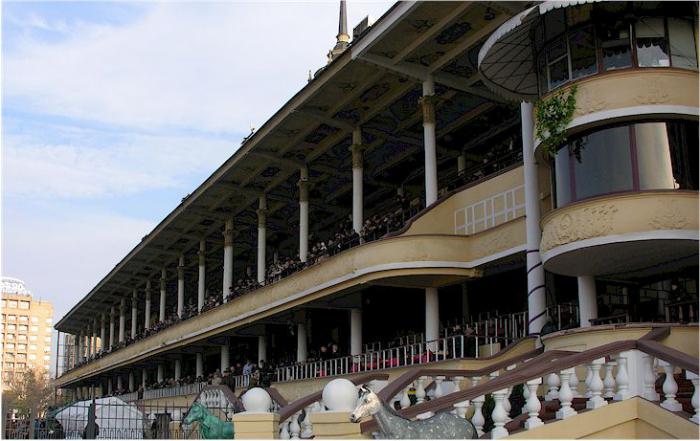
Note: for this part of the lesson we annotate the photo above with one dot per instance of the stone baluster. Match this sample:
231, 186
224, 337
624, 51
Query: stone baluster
609, 380
420, 389
670, 388
438, 392
573, 383
460, 409
284, 430
694, 400
475, 381
553, 385
506, 402
526, 396
649, 391
405, 399
499, 415
294, 427
596, 385
587, 382
565, 395
533, 405
622, 379
478, 419
307, 430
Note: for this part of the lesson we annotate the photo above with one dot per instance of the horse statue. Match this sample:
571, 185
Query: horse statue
210, 426
394, 426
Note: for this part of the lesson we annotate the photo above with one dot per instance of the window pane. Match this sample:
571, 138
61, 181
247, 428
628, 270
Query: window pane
680, 33
558, 64
563, 177
605, 165
652, 50
653, 157
617, 50
582, 47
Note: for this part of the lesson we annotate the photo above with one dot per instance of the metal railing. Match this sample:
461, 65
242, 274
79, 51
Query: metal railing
174, 391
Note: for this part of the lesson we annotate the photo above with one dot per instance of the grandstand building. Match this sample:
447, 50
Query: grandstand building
402, 210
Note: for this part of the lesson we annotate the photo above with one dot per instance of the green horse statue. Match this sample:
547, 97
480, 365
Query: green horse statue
210, 426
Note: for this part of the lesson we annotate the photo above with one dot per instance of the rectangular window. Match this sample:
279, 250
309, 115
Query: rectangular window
11, 327
652, 47
35, 319
583, 55
23, 328
35, 328
557, 64
680, 32
23, 318
23, 305
32, 337
12, 304
616, 46
11, 317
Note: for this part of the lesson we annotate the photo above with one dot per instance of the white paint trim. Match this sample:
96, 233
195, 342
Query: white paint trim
381, 27
487, 221
650, 109
620, 238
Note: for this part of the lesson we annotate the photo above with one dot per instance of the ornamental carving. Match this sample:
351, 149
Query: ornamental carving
669, 217
589, 102
578, 225
652, 93
498, 241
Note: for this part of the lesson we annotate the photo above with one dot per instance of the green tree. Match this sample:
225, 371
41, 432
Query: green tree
30, 393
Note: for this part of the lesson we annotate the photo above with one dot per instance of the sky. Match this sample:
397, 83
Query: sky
112, 112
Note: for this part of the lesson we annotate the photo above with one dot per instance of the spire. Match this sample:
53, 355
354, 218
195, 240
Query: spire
343, 38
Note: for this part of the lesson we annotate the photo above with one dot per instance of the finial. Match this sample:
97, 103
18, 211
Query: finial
343, 38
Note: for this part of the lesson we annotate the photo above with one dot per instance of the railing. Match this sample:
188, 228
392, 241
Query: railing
449, 348
403, 340
684, 311
174, 391
625, 365
485, 213
128, 397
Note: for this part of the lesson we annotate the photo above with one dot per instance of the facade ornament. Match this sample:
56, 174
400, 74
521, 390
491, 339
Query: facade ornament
578, 225
427, 102
669, 217
357, 155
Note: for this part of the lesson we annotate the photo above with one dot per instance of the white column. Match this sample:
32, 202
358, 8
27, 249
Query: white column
132, 385
120, 385
111, 326
199, 365
122, 320
144, 378
355, 331
536, 300
461, 163
202, 279
79, 350
181, 285
94, 336
103, 331
161, 305
134, 313
147, 307
587, 303
303, 213
161, 372
178, 369
301, 342
228, 258
262, 238
357, 180
262, 348
225, 362
428, 104
110, 389
432, 316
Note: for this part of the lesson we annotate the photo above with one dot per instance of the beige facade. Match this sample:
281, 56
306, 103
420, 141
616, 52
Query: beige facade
25, 334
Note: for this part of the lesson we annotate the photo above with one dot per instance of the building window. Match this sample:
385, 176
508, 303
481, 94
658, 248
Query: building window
47, 330
12, 304
11, 327
32, 337
682, 41
635, 157
23, 328
23, 318
32, 347
48, 321
12, 318
35, 328
652, 47
47, 339
23, 305
35, 319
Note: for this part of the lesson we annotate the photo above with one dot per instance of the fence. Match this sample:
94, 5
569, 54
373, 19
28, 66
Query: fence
174, 391
111, 418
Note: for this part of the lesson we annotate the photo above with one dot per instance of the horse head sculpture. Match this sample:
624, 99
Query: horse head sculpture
210, 426
368, 404
196, 413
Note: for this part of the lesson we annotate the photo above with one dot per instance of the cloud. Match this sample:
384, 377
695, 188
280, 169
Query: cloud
88, 164
212, 66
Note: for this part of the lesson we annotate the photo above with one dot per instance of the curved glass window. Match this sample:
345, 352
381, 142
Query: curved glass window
643, 156
583, 40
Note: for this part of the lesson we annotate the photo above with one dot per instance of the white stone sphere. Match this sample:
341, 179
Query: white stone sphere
257, 400
340, 395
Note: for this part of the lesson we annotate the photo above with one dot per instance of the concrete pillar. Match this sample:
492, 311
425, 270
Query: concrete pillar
303, 214
111, 326
110, 389
302, 350
536, 300
134, 313
181, 286
103, 331
355, 331
225, 361
132, 382
429, 143
357, 180
178, 369
122, 320
79, 349
120, 385
262, 348
262, 238
199, 365
144, 378
432, 317
161, 306
202, 277
147, 307
587, 301
461, 164
94, 336
228, 259
161, 372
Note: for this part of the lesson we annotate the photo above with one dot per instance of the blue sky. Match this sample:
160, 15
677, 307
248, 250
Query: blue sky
112, 112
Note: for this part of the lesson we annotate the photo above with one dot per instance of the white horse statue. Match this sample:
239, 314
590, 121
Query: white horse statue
394, 426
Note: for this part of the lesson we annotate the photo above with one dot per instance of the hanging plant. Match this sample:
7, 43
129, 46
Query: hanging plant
553, 115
